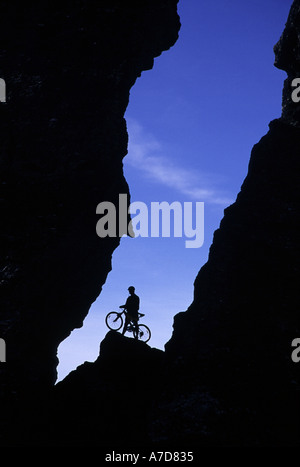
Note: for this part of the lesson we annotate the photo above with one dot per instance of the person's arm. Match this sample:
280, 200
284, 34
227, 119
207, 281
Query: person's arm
124, 306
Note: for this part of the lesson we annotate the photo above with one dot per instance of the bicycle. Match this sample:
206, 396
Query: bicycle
114, 321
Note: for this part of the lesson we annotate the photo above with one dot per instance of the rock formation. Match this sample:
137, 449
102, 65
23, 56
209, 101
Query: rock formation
112, 397
68, 68
233, 345
232, 348
226, 377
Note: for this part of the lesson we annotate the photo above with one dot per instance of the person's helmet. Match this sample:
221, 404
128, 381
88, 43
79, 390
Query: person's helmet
131, 288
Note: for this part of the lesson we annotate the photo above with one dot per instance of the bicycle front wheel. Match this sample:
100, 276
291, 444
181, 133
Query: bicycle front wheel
144, 333
114, 321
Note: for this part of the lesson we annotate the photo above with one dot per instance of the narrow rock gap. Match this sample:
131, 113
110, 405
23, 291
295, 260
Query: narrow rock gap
151, 141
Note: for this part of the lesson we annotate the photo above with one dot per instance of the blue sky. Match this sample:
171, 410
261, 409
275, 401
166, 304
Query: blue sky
192, 123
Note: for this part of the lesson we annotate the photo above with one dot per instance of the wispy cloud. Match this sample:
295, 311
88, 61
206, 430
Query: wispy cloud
146, 154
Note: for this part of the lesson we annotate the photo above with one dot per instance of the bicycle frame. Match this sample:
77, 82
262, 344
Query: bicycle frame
125, 312
132, 326
139, 330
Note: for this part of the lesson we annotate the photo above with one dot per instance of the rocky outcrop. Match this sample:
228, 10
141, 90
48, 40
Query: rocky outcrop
110, 399
68, 68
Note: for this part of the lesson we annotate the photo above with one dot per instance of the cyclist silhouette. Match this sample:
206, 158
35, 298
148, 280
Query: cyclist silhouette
131, 306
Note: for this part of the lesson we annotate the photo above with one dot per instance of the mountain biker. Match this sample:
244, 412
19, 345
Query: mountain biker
131, 306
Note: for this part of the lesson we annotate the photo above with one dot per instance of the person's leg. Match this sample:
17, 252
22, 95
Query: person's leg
135, 328
125, 325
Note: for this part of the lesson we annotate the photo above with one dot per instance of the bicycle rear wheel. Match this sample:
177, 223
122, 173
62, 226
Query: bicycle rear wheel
114, 321
144, 333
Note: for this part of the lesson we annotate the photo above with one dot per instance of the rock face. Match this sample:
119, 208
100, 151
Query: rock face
68, 68
233, 345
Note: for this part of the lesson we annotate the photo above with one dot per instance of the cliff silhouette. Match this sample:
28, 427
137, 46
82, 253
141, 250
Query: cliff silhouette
226, 377
69, 67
